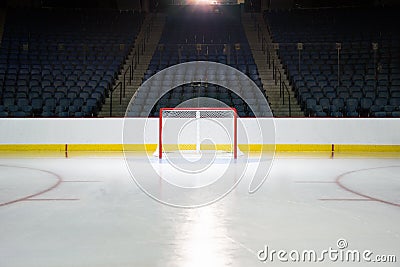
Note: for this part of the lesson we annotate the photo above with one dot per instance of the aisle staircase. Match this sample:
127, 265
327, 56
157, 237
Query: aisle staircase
275, 83
138, 61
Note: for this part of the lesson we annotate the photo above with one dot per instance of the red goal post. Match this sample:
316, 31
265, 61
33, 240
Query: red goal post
198, 113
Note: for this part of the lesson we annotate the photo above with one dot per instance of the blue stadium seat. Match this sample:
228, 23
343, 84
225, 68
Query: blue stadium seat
3, 114
54, 62
361, 74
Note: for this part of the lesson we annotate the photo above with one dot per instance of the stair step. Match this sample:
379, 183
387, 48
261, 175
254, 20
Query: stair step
265, 72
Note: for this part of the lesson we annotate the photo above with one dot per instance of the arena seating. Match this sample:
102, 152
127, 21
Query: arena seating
62, 62
338, 70
208, 34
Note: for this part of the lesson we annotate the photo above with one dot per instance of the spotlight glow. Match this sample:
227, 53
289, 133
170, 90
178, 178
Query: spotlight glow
203, 2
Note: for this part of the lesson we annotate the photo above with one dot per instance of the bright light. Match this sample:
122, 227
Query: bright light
203, 2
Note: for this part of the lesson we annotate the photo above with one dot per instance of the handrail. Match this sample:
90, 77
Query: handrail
134, 64
263, 44
277, 75
137, 54
262, 38
269, 57
129, 68
140, 46
283, 98
139, 49
119, 84
266, 50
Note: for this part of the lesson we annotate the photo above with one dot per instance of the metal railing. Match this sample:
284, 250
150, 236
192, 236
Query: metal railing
129, 71
119, 84
267, 50
130, 78
283, 88
277, 76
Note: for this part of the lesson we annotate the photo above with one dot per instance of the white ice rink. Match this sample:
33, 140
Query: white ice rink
87, 211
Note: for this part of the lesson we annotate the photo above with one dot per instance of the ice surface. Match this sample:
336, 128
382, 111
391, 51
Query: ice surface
88, 211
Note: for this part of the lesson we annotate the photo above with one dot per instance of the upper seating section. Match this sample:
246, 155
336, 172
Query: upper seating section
209, 33
62, 62
347, 62
204, 25
204, 33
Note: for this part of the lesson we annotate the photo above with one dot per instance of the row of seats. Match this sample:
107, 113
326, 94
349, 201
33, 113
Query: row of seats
211, 34
335, 55
352, 107
180, 94
208, 25
62, 62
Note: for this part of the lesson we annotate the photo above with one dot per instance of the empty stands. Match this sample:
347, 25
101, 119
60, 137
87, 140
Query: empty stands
212, 33
62, 62
341, 62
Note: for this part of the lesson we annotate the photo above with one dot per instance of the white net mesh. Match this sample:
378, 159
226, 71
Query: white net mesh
198, 131
204, 113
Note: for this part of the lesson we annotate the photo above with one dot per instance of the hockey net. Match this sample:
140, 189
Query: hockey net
197, 131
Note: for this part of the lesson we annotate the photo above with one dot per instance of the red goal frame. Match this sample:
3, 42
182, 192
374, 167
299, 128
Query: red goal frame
235, 116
